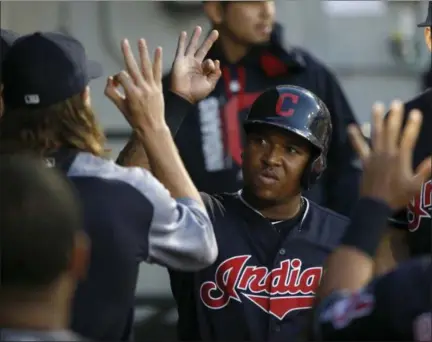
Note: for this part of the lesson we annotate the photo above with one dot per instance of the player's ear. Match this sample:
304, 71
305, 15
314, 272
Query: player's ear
214, 11
428, 38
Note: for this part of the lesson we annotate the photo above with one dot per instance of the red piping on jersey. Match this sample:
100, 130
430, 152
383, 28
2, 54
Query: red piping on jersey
230, 120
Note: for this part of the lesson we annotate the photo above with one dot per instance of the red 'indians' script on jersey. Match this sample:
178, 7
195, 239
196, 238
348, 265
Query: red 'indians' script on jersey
419, 206
278, 292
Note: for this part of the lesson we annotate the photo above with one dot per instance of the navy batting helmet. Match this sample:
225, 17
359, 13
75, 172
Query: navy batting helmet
301, 112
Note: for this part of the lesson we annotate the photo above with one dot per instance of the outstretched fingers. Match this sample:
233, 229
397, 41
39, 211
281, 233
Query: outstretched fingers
157, 65
359, 142
206, 45
393, 126
146, 64
130, 62
377, 136
409, 136
193, 44
181, 44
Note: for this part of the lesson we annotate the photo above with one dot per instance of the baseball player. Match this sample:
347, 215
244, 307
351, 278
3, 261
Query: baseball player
131, 216
272, 241
396, 306
410, 232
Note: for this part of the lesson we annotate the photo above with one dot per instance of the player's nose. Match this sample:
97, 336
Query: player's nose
272, 157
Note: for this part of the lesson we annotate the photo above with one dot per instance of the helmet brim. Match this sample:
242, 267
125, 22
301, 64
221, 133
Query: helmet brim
301, 133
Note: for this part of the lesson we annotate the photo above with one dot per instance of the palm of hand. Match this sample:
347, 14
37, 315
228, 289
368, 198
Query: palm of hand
190, 79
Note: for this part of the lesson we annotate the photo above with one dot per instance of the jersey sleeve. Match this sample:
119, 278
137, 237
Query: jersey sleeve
399, 220
181, 233
344, 315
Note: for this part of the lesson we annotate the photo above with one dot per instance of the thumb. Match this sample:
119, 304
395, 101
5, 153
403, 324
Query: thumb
216, 73
423, 172
111, 91
208, 66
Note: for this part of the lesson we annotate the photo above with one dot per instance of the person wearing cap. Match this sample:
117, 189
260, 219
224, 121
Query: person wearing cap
253, 58
7, 39
410, 233
130, 215
44, 251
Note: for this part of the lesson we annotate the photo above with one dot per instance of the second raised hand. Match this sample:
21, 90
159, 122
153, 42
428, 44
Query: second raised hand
192, 77
143, 88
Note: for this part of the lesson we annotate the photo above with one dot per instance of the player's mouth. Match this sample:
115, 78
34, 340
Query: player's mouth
264, 28
268, 177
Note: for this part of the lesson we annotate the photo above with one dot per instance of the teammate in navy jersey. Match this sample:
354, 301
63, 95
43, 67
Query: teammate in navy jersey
131, 216
410, 232
272, 241
396, 306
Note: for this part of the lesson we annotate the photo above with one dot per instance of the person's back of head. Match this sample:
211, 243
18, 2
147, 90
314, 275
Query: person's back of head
7, 38
47, 98
43, 249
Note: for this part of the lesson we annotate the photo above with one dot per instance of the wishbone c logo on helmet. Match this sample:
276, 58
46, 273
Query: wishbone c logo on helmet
301, 112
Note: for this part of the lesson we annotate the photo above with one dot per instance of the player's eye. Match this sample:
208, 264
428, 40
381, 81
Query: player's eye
292, 149
259, 140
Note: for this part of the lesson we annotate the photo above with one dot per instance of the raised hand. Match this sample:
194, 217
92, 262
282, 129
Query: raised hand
191, 76
142, 103
388, 174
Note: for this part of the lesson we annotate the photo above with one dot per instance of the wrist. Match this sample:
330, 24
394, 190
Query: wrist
152, 134
368, 223
184, 97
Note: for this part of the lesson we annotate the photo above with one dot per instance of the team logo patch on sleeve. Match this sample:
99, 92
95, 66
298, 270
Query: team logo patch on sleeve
422, 328
342, 309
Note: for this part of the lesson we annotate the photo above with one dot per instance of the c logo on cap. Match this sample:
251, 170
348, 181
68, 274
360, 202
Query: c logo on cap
281, 101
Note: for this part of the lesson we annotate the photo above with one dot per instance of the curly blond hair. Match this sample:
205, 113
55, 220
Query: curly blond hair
70, 123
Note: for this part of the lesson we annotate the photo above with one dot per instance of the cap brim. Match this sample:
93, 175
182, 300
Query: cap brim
94, 70
425, 24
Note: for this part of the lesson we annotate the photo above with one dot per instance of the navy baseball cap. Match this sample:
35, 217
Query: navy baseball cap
428, 21
45, 68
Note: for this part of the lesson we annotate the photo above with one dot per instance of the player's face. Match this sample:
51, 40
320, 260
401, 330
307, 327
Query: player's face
249, 22
428, 37
273, 163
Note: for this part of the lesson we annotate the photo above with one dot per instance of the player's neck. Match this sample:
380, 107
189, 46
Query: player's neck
274, 211
45, 310
233, 50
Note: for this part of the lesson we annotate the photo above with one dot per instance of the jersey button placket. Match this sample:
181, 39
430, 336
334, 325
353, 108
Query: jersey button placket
282, 251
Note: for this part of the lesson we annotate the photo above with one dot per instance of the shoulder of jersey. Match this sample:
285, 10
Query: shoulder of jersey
88, 165
422, 102
216, 203
329, 214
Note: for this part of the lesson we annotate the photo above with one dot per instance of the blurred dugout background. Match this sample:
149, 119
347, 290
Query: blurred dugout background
373, 47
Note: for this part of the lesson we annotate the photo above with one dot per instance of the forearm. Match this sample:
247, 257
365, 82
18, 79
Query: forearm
351, 265
166, 164
133, 154
392, 250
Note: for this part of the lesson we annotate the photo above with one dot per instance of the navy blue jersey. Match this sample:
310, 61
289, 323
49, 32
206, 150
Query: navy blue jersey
394, 307
416, 217
130, 217
264, 278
